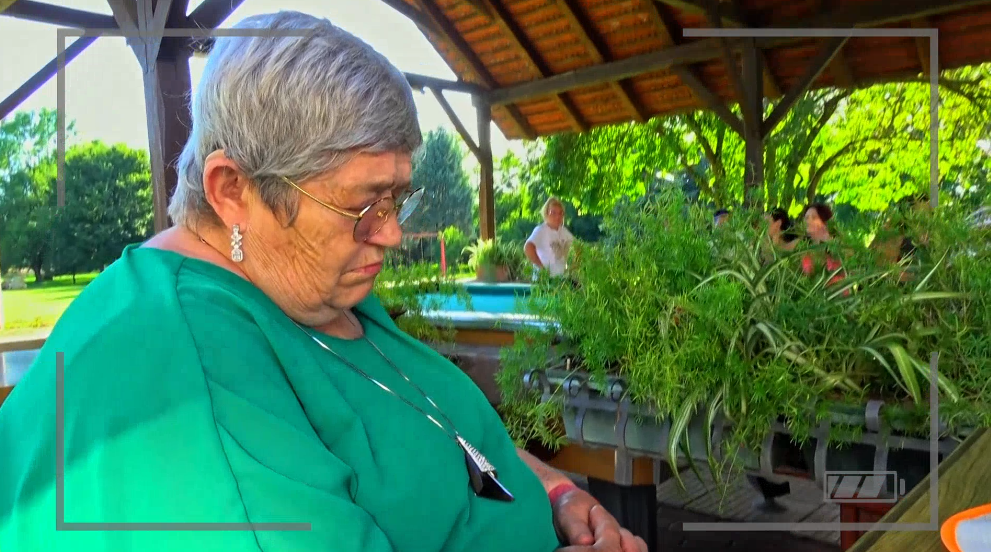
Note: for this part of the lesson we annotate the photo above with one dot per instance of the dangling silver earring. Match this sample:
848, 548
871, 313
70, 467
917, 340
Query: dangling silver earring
237, 254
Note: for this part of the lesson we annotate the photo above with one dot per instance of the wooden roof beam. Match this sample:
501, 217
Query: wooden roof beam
671, 35
504, 20
458, 125
851, 15
418, 18
730, 16
839, 67
10, 103
599, 52
922, 43
432, 21
771, 86
729, 58
419, 82
708, 98
57, 15
727, 13
212, 13
815, 69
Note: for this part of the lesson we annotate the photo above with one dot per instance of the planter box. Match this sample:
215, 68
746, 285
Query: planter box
599, 414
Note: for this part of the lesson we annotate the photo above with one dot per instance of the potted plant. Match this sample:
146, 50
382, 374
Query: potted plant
489, 260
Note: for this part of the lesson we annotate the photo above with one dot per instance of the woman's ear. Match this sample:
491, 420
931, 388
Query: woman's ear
226, 188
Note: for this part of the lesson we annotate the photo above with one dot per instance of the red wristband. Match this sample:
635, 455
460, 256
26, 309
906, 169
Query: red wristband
559, 490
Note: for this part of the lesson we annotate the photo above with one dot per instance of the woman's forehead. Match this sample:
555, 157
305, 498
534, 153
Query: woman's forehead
374, 172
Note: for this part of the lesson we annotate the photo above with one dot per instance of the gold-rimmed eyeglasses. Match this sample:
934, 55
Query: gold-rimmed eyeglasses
370, 220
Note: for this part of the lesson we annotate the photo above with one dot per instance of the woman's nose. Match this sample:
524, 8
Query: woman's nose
391, 235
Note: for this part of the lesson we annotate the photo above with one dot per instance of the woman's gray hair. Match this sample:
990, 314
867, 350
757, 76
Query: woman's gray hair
292, 107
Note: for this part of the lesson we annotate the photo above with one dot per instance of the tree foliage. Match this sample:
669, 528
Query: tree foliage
439, 170
108, 202
867, 148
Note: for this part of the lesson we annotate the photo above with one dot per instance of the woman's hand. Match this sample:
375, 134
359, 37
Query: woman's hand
587, 526
595, 530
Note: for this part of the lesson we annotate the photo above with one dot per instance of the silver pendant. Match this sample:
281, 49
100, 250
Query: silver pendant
482, 474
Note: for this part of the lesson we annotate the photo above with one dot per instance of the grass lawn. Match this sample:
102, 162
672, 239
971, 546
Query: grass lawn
27, 311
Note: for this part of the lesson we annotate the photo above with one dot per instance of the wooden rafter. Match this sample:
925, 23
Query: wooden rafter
437, 28
864, 15
839, 67
599, 52
504, 20
57, 15
726, 12
730, 16
729, 58
922, 43
818, 64
771, 86
469, 141
10, 103
211, 13
671, 36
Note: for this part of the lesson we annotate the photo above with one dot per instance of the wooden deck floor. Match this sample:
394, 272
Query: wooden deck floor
741, 502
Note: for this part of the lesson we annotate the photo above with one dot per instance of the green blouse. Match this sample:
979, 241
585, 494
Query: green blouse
189, 397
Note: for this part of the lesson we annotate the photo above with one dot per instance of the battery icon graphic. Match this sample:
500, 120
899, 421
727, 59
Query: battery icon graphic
862, 486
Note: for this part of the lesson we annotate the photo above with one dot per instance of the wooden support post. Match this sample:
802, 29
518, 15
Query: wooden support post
753, 119
486, 193
166, 86
165, 66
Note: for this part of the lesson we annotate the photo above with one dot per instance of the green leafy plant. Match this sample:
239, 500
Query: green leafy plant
710, 322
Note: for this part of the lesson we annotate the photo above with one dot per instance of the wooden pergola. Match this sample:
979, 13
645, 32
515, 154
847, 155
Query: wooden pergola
540, 67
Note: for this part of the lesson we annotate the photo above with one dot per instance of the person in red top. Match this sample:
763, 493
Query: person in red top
816, 217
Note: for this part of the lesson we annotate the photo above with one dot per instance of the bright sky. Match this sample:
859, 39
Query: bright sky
104, 93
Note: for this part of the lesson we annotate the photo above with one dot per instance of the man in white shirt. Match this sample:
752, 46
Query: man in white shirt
549, 243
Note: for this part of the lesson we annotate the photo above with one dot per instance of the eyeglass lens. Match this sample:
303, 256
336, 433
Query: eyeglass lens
377, 217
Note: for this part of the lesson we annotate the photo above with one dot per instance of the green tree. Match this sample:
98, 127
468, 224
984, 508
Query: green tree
27, 194
448, 196
866, 148
107, 200
108, 206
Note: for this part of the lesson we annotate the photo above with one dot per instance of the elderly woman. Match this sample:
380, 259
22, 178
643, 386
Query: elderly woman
234, 374
548, 245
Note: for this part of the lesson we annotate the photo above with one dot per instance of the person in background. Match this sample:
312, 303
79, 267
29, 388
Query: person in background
720, 217
550, 242
895, 243
817, 216
780, 230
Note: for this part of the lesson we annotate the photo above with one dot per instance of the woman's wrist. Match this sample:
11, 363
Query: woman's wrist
559, 490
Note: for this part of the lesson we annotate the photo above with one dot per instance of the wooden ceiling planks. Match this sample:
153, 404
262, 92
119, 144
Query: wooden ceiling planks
526, 41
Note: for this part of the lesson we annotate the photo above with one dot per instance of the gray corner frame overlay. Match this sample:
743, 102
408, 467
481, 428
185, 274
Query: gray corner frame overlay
60, 523
933, 36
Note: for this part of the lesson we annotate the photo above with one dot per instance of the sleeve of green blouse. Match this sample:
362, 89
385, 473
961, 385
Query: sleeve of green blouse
158, 433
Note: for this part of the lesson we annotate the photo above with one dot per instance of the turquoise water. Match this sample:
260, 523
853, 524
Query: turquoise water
488, 298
